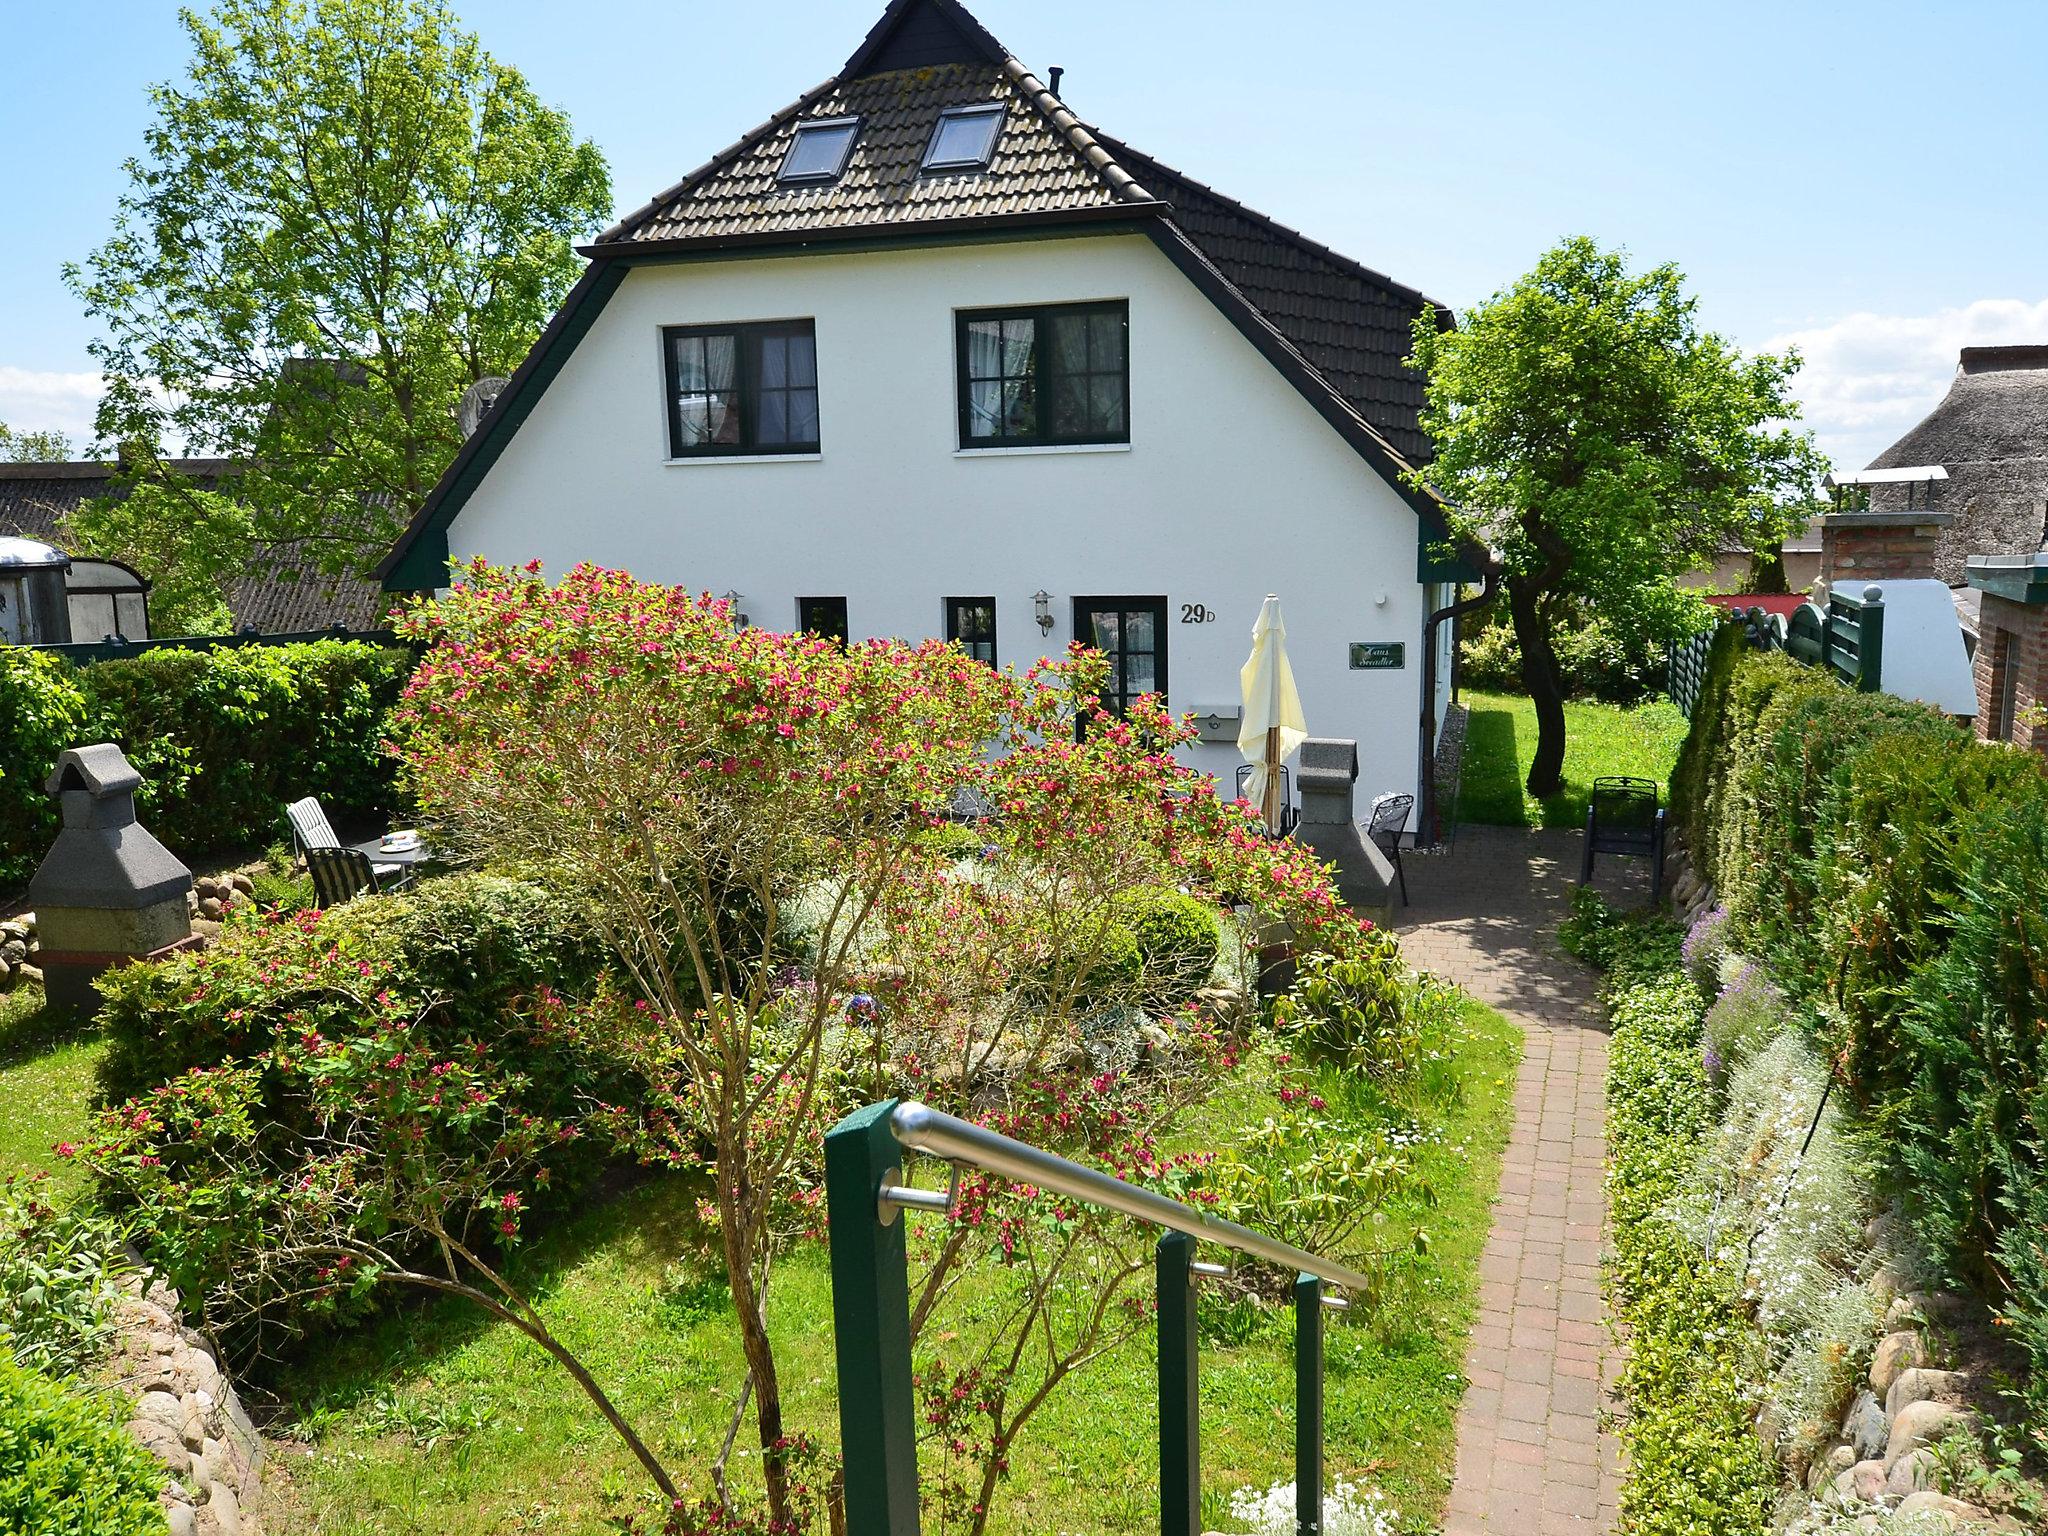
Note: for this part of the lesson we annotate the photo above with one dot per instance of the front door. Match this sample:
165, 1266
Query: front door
1131, 632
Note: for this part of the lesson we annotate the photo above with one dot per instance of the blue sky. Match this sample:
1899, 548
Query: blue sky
1865, 179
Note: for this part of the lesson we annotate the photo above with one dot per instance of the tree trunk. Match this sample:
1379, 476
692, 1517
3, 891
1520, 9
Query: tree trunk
754, 1343
1767, 570
1546, 688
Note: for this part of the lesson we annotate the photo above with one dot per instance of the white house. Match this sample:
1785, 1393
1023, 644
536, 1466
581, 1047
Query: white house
924, 355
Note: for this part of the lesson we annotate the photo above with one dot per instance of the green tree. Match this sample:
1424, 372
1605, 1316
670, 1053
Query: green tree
345, 214
1589, 429
23, 447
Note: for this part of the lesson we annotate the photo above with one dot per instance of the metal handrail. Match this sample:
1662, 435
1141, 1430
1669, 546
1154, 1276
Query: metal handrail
924, 1129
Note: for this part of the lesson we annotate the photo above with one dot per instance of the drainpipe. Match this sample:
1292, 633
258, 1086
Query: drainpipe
1425, 783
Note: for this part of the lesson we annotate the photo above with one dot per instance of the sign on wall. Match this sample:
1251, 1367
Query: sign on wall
1378, 655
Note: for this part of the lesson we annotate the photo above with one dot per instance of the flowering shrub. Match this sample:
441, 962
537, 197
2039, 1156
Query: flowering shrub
1749, 1013
1706, 945
67, 1468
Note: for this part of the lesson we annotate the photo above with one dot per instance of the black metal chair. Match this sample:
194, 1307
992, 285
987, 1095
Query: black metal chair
1625, 818
1384, 823
1289, 814
340, 875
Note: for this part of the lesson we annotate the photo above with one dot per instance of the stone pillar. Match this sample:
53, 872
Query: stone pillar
1879, 546
2012, 647
1327, 772
107, 892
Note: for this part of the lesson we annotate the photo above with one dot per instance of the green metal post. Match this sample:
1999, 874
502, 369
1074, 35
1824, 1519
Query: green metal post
871, 1322
1180, 1453
1870, 647
1308, 1405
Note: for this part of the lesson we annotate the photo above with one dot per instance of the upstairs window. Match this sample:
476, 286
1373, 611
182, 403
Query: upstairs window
819, 150
1050, 375
972, 622
964, 139
742, 389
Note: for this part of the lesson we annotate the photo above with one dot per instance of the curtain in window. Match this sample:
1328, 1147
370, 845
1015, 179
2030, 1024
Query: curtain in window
707, 370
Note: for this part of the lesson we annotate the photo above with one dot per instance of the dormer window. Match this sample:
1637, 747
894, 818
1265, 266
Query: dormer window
819, 151
964, 139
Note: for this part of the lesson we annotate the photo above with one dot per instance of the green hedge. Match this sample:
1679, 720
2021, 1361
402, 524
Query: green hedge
1888, 867
223, 738
67, 1468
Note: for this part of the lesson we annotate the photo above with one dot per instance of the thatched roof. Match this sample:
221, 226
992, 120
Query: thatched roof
1991, 433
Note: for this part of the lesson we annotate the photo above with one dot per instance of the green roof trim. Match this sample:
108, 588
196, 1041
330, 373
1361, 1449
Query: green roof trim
2016, 578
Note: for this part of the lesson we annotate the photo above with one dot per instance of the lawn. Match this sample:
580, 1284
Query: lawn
434, 1420
1500, 741
46, 1072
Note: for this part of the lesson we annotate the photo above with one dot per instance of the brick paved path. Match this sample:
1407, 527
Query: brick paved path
1532, 1457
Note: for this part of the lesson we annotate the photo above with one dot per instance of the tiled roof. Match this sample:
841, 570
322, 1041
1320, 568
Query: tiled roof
275, 597
1040, 164
1351, 322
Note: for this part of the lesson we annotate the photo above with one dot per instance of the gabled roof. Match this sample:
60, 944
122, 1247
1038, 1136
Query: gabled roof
1338, 331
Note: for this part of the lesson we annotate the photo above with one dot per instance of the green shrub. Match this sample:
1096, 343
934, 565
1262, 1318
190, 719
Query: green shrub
1176, 939
1695, 1464
57, 1274
42, 711
67, 1467
224, 739
1351, 1010
1749, 1014
1593, 659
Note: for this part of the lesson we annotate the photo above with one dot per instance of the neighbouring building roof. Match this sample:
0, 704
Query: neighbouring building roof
1337, 330
1990, 432
275, 597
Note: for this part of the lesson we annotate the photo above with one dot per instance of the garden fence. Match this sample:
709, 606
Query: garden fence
1846, 637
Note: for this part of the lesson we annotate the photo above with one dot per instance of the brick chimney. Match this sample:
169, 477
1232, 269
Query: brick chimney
1879, 546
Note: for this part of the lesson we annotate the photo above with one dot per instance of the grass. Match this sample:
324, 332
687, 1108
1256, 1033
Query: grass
46, 1075
1500, 742
435, 1420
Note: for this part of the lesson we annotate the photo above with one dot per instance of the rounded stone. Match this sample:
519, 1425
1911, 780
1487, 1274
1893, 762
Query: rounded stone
1863, 1482
164, 1443
161, 1407
222, 1513
1896, 1352
1865, 1427
181, 1520
210, 908
1922, 1384
1921, 1424
242, 883
1911, 1473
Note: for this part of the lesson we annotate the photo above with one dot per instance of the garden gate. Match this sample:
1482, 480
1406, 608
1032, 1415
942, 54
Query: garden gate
1846, 637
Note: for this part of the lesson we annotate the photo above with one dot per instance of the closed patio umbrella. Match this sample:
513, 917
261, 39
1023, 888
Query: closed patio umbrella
1273, 726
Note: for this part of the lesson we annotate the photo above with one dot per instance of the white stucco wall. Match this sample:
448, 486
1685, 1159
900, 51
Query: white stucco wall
1232, 486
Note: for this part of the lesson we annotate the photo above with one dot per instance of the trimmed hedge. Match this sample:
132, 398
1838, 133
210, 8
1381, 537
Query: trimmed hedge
1895, 872
67, 1468
224, 739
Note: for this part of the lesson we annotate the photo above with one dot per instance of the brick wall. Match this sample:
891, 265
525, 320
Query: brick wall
1884, 546
2011, 637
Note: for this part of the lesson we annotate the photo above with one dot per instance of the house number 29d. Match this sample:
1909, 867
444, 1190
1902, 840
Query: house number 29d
1195, 613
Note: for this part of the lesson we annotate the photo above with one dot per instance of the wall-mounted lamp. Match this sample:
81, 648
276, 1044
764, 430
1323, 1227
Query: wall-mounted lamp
1043, 600
732, 607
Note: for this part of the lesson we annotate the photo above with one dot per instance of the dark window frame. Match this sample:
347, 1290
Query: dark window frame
1084, 633
783, 176
954, 607
807, 618
1042, 392
747, 337
931, 165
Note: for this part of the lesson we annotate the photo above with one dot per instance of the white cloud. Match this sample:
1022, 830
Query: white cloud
43, 402
1869, 378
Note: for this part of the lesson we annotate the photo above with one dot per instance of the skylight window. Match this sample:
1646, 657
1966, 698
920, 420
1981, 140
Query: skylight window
964, 139
819, 150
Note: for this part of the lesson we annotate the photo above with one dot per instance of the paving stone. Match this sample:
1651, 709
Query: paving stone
1533, 1457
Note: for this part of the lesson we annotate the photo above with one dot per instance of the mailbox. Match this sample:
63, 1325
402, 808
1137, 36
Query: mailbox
1218, 723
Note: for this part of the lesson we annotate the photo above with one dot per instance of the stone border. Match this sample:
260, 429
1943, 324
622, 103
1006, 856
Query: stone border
186, 1413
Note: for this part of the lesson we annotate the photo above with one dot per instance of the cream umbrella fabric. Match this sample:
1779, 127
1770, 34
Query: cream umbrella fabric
1272, 727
